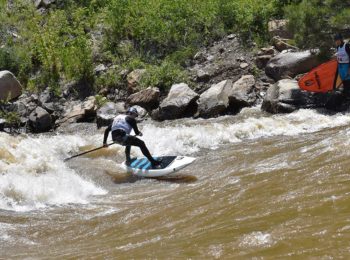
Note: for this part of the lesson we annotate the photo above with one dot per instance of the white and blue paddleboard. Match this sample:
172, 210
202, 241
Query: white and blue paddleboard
142, 166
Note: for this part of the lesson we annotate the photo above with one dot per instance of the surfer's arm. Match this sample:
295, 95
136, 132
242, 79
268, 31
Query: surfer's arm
347, 49
108, 129
131, 121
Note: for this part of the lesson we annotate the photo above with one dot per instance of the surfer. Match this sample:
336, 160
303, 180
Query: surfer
343, 57
121, 128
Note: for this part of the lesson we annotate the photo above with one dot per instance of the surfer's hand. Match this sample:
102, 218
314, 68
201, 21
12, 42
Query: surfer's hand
140, 134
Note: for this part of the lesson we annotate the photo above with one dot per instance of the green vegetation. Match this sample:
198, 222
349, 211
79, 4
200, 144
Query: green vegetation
315, 22
65, 42
12, 118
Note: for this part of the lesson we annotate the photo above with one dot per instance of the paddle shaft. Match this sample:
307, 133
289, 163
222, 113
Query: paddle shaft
98, 148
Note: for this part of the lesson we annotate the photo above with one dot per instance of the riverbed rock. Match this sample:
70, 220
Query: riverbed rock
80, 112
242, 93
147, 98
215, 101
290, 64
40, 120
108, 112
180, 102
10, 88
285, 96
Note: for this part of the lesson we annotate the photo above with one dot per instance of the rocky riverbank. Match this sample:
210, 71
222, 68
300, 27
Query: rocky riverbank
224, 78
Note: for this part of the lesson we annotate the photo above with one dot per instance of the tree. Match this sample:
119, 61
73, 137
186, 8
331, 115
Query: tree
314, 22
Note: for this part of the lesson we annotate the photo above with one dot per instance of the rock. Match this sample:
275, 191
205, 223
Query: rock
244, 65
180, 102
10, 88
285, 96
200, 57
79, 90
242, 93
147, 98
231, 36
141, 111
46, 96
100, 69
222, 61
202, 75
290, 64
215, 100
43, 3
262, 60
82, 112
267, 51
279, 28
40, 120
108, 112
134, 79
281, 44
25, 105
2, 124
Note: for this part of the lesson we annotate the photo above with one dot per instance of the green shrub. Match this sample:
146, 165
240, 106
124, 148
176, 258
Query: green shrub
111, 80
164, 75
315, 22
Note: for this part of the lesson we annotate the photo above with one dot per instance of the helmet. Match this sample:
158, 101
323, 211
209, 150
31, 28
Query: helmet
338, 36
132, 110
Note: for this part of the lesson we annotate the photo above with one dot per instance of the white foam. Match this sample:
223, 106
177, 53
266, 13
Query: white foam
256, 239
35, 175
191, 136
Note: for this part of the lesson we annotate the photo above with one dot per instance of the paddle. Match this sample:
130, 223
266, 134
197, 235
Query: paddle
98, 148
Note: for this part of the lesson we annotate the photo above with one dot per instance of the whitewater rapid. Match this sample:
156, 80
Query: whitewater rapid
33, 174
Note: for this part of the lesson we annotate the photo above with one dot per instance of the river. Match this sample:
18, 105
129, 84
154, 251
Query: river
262, 187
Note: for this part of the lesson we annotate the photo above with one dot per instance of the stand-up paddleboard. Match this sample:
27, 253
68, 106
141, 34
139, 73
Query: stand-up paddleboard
170, 164
323, 78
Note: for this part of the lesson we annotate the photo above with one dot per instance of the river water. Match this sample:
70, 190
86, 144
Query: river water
262, 187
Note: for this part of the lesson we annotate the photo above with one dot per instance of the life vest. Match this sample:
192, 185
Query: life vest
119, 122
342, 55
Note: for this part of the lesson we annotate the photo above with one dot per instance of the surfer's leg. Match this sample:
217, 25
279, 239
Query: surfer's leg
127, 154
134, 141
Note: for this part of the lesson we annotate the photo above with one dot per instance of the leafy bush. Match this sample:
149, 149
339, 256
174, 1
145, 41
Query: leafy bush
159, 35
315, 22
164, 75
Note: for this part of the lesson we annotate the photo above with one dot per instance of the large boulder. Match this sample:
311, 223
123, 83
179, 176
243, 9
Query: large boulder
215, 101
180, 102
147, 98
40, 120
290, 64
285, 96
10, 87
242, 93
81, 112
108, 112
